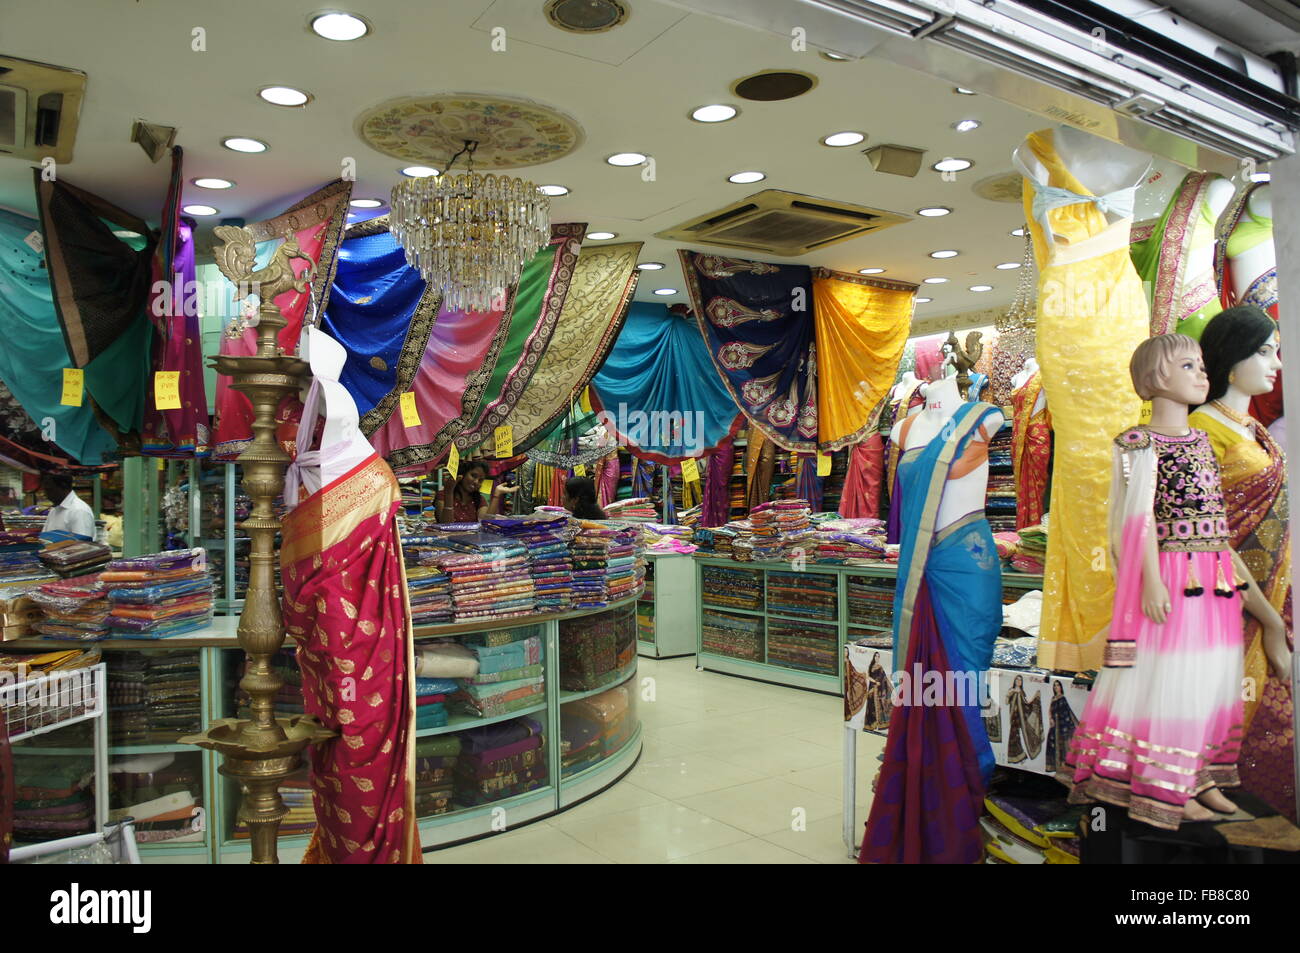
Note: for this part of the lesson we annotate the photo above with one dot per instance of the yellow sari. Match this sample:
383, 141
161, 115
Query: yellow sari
1092, 313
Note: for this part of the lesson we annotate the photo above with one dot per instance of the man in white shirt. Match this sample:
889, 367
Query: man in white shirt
70, 515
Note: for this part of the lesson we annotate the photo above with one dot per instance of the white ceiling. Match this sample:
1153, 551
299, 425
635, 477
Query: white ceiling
631, 90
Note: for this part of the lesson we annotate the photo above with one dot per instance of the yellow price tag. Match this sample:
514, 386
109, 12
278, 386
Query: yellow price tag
485, 487
823, 464
453, 461
167, 390
580, 469
503, 441
1145, 416
74, 382
690, 471
410, 416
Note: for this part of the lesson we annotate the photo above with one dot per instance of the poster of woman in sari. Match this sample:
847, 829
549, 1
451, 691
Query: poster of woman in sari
879, 690
1025, 723
1062, 722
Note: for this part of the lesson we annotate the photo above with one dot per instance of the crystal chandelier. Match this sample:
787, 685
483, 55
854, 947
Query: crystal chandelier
470, 235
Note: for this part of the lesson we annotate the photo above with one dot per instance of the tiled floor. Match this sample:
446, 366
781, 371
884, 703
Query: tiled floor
732, 772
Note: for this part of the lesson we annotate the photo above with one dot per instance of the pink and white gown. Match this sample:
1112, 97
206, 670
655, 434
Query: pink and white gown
1164, 720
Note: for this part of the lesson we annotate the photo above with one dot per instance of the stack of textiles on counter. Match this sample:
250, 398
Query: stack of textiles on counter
20, 560
1007, 543
606, 564
159, 595
638, 509
490, 576
72, 609
803, 646
429, 589
780, 528
163, 792
1031, 553
500, 761
54, 798
732, 635
548, 556
595, 728
153, 697
732, 588
597, 650
667, 538
295, 791
435, 773
1000, 505
431, 697
803, 595
851, 542
72, 557
690, 518
1029, 829
871, 602
510, 673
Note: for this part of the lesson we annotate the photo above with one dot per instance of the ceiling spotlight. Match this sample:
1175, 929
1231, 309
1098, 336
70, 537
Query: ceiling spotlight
626, 159
366, 203
744, 178
934, 281
718, 112
934, 211
1260, 176
553, 190
870, 271
650, 266
665, 291
213, 183
843, 139
601, 236
339, 26
952, 165
284, 96
946, 253
924, 300
833, 57
1008, 266
244, 144
966, 125
963, 91
1018, 232
981, 287
199, 210
419, 171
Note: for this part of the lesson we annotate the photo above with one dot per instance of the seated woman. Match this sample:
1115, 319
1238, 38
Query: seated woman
580, 499
462, 502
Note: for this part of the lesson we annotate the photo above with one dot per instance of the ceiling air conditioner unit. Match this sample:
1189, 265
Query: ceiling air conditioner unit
39, 108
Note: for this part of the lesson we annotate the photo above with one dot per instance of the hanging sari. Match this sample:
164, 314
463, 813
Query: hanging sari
1255, 487
1031, 451
947, 614
716, 510
861, 496
1164, 251
760, 463
1026, 720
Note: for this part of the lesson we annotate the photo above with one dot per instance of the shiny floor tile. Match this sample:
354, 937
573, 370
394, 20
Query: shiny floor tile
765, 807
651, 835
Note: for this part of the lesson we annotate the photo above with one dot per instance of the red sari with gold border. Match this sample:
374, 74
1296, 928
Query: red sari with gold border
345, 603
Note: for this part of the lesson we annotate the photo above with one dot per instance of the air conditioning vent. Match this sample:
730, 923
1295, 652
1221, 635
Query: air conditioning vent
782, 223
39, 109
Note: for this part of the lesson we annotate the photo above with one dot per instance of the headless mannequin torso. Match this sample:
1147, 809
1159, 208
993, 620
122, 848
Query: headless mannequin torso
1250, 263
1021, 379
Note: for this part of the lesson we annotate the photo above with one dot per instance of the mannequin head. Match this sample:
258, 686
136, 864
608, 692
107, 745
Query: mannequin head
1241, 351
1169, 366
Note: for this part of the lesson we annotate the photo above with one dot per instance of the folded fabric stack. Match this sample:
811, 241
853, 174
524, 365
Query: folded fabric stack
510, 677
732, 588
780, 528
742, 541
431, 697
690, 518
732, 635
153, 698
163, 792
849, 549
597, 650
724, 538
1000, 505
159, 595
435, 773
490, 576
75, 608
802, 595
638, 509
72, 557
295, 791
429, 589
1008, 544
20, 560
499, 761
1031, 553
54, 798
605, 564
871, 602
1030, 830
803, 646
595, 728
548, 556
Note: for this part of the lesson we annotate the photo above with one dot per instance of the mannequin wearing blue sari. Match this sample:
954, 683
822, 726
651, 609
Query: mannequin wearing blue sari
947, 614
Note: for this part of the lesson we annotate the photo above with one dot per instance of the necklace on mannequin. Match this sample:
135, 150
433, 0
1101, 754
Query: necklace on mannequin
1244, 420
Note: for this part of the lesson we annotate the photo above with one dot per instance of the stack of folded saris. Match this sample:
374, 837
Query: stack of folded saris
490, 576
159, 595
73, 557
54, 798
76, 608
510, 676
548, 555
153, 697
20, 558
781, 527
735, 636
429, 589
163, 792
638, 509
499, 761
597, 650
1031, 553
871, 601
431, 697
732, 588
605, 563
850, 542
435, 773
597, 727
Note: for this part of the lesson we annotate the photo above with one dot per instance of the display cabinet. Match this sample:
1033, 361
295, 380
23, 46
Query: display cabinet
666, 610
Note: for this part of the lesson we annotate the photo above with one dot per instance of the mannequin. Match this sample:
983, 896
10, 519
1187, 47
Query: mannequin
1031, 445
1250, 277
1159, 735
905, 384
1019, 381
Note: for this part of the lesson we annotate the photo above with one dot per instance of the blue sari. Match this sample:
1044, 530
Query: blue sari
947, 614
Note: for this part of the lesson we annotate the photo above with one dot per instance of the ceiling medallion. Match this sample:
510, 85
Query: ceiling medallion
586, 16
1003, 187
429, 130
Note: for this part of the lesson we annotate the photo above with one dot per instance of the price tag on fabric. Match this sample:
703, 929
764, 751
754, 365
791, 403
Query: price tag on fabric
503, 441
580, 470
410, 416
485, 487
167, 390
74, 382
35, 242
453, 460
690, 471
823, 464
1144, 416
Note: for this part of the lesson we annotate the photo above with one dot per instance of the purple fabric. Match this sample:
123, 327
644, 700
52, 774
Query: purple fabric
809, 485
717, 486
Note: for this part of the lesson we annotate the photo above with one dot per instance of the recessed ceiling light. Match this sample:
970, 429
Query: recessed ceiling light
284, 96
946, 253
870, 271
924, 300
665, 291
553, 189
366, 203
199, 210
213, 183
744, 178
834, 57
244, 144
1261, 176
1018, 232
963, 91
952, 165
966, 125
843, 139
1008, 266
934, 211
981, 287
339, 26
718, 112
650, 266
626, 158
601, 236
934, 281
419, 171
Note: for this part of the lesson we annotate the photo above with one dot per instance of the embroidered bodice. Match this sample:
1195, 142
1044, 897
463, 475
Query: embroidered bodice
1190, 515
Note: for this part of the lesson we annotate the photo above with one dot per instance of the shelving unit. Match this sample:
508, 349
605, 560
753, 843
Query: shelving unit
666, 612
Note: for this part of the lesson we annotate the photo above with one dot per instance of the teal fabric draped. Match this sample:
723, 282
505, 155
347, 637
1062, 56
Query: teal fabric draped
33, 355
659, 389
